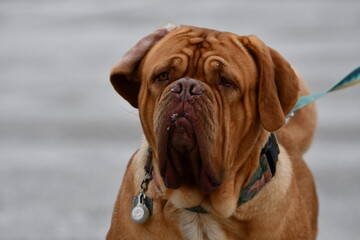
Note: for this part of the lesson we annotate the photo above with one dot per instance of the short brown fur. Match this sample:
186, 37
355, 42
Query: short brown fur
234, 123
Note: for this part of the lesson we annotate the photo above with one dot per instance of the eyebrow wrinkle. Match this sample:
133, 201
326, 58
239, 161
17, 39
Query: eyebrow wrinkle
196, 40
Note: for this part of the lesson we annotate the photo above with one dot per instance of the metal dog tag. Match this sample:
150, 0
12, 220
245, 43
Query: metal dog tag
141, 208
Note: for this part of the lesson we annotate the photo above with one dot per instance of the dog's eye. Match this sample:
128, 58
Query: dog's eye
164, 76
226, 83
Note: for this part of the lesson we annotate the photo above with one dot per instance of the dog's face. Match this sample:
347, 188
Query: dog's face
205, 99
193, 82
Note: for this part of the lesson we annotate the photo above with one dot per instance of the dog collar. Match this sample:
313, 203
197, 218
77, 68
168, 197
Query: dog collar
265, 171
263, 174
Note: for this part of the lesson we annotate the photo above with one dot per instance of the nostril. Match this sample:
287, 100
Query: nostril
196, 89
177, 88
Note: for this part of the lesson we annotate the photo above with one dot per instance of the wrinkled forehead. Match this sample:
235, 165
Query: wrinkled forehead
199, 46
191, 38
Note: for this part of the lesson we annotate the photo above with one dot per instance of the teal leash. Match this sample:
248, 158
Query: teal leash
350, 80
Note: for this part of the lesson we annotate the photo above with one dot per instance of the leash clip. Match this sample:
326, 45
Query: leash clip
288, 117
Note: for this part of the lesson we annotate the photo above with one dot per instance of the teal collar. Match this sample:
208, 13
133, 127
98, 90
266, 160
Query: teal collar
263, 174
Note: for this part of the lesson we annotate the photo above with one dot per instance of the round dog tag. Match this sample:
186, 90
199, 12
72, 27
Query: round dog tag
140, 213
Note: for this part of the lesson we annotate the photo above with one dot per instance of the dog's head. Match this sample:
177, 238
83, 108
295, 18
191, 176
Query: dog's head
206, 99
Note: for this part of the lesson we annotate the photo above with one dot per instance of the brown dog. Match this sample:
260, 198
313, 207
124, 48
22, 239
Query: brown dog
208, 103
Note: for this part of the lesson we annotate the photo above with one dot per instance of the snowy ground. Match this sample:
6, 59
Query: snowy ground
65, 135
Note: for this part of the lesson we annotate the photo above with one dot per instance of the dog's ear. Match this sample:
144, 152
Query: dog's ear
278, 86
124, 75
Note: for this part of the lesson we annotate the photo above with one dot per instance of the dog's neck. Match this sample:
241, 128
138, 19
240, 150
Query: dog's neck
263, 174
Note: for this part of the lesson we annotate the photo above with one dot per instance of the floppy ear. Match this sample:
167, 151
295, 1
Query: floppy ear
278, 86
124, 77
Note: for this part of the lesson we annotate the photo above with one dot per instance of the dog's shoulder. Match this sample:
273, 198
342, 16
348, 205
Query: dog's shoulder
280, 184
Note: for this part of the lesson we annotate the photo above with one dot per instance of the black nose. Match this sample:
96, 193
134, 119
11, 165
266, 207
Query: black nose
187, 88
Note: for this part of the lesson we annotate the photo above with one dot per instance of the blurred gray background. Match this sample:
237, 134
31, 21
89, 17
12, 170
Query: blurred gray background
66, 136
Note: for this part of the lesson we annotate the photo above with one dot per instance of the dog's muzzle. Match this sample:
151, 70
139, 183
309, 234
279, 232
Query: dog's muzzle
181, 149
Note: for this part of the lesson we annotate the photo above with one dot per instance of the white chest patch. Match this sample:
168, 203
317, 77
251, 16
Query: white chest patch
197, 226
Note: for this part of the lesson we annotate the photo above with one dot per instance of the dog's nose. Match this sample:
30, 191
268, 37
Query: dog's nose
187, 88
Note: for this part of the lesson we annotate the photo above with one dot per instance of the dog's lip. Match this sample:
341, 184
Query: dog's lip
181, 132
207, 183
171, 176
190, 168
180, 137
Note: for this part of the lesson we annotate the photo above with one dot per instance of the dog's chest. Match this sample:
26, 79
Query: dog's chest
200, 227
